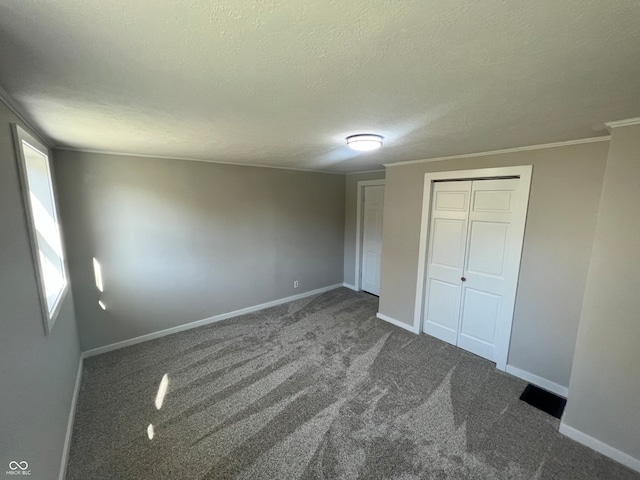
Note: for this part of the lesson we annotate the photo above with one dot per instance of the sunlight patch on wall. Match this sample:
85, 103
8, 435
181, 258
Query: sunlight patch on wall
97, 272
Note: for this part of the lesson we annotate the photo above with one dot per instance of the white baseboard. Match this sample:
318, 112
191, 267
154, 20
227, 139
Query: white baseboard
349, 286
395, 322
601, 447
538, 381
206, 321
72, 415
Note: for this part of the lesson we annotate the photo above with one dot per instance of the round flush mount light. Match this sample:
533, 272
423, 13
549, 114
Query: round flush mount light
364, 142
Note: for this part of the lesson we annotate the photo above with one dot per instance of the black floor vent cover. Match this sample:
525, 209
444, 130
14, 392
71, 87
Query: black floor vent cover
546, 401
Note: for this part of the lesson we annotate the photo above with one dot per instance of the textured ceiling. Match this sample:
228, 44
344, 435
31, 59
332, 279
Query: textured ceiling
284, 82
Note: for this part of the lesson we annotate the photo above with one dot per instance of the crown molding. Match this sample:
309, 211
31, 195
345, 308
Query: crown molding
623, 123
603, 138
366, 171
189, 159
17, 110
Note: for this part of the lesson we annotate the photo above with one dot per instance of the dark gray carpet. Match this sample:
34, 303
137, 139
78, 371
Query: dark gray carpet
317, 388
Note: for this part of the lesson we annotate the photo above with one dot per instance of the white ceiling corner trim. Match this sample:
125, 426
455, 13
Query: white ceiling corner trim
602, 138
24, 118
187, 159
623, 123
366, 171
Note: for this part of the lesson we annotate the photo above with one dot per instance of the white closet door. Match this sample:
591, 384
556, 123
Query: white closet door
473, 263
489, 266
372, 238
448, 234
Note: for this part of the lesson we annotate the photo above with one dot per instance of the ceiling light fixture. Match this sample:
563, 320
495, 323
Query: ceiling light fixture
364, 142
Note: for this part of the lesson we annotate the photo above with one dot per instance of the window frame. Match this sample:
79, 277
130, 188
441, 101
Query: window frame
20, 135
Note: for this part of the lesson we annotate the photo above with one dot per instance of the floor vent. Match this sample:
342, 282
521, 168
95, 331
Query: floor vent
546, 401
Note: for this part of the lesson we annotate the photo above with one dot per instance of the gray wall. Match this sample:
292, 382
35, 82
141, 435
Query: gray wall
182, 241
565, 193
350, 211
37, 372
605, 382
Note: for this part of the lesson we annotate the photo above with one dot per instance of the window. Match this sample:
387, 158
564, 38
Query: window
42, 218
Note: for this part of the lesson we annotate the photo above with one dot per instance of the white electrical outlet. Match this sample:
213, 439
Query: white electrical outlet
295, 284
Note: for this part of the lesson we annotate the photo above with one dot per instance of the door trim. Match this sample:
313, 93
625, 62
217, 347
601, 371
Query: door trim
360, 195
524, 173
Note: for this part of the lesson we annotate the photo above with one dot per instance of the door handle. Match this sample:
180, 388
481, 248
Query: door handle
463, 279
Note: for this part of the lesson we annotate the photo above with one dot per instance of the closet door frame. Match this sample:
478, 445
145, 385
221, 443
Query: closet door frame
524, 173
